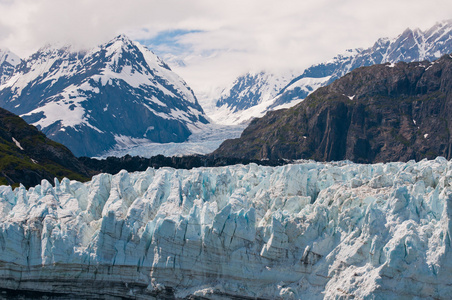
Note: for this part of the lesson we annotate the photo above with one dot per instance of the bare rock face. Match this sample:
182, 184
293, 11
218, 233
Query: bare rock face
391, 112
27, 156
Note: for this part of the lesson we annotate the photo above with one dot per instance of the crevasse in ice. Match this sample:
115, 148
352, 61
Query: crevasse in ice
323, 230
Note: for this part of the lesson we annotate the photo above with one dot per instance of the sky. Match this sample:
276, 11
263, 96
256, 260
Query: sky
209, 43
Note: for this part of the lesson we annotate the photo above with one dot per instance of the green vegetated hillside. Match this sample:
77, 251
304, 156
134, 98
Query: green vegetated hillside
391, 112
27, 156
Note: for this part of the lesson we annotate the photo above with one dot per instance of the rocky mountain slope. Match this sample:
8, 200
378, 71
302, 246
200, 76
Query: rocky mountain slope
115, 94
380, 113
412, 45
27, 156
313, 230
247, 96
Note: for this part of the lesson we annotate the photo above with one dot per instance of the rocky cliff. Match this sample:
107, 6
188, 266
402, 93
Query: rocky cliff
27, 156
390, 112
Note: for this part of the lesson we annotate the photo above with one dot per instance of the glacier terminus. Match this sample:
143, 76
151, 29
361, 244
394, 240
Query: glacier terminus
309, 230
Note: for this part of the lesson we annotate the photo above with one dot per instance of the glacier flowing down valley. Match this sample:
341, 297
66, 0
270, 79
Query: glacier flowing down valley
314, 230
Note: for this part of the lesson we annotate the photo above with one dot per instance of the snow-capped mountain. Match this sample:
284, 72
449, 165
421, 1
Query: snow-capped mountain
411, 45
252, 91
91, 101
301, 231
8, 61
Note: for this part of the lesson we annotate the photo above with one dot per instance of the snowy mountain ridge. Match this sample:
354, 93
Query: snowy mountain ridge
255, 92
92, 100
412, 45
255, 87
315, 230
8, 61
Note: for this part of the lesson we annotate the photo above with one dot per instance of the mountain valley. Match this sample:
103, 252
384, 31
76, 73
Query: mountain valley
345, 193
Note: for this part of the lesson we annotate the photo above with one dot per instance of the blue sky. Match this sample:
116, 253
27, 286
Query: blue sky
169, 42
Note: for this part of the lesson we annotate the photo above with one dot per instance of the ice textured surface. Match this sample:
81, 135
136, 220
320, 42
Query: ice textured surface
308, 230
203, 140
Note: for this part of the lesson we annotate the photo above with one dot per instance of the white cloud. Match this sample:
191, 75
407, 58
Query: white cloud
233, 36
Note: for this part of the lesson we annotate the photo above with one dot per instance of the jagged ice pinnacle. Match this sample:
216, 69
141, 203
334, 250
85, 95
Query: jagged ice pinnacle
317, 230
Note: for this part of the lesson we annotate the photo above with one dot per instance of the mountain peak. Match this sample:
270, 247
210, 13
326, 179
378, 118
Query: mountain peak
56, 47
122, 47
381, 42
7, 56
122, 37
119, 41
444, 23
8, 61
407, 32
69, 93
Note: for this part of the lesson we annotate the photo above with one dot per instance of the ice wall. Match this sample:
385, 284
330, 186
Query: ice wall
314, 230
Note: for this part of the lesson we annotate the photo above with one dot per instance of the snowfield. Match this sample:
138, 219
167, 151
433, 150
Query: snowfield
308, 230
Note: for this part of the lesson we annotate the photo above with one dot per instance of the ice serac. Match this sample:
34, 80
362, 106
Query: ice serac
119, 93
307, 230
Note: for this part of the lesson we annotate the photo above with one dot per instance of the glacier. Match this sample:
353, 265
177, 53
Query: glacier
204, 139
311, 230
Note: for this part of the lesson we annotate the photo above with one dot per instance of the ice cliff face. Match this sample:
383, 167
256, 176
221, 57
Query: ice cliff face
310, 230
